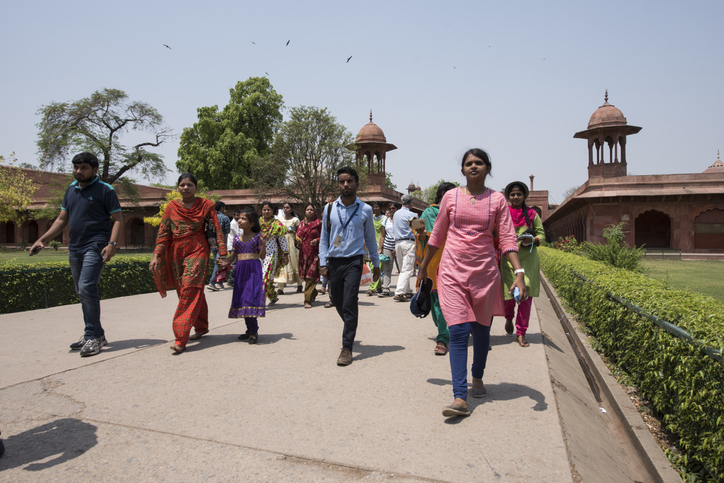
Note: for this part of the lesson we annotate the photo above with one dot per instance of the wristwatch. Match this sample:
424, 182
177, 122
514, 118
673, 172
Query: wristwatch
520, 270
113, 243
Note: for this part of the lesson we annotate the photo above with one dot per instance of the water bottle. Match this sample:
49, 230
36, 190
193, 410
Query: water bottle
516, 295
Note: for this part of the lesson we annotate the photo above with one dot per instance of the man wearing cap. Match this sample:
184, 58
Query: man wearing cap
404, 248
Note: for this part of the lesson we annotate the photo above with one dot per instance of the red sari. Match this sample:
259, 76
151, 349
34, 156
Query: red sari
308, 253
183, 260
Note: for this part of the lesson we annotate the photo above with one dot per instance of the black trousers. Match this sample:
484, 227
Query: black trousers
344, 277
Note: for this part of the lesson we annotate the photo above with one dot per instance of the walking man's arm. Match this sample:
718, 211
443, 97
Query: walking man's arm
54, 231
110, 250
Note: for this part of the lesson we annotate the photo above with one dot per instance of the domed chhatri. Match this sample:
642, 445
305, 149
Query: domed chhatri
371, 149
606, 135
607, 115
370, 133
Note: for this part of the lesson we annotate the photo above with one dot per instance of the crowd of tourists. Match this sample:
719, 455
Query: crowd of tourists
476, 246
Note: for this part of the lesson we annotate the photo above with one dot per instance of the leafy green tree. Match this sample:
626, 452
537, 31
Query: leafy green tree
305, 156
16, 191
388, 181
223, 147
428, 194
95, 124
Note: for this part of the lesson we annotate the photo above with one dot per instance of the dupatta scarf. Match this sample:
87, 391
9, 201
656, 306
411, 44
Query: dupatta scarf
181, 245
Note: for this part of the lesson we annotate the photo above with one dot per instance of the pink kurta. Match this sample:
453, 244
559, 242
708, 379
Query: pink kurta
468, 278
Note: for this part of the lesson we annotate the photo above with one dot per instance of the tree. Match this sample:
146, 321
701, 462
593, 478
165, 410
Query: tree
223, 148
16, 191
155, 220
428, 194
570, 191
95, 124
388, 181
307, 151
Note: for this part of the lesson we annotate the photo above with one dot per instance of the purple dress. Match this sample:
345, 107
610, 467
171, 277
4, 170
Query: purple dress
248, 297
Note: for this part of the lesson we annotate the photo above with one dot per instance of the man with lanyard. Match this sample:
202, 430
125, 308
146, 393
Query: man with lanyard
404, 248
89, 207
347, 225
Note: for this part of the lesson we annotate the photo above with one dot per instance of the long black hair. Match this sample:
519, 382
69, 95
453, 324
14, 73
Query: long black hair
442, 189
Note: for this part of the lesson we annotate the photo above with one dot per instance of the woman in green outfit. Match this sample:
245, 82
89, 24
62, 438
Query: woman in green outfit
530, 232
429, 216
379, 221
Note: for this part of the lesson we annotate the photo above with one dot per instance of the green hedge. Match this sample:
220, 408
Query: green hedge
682, 380
30, 286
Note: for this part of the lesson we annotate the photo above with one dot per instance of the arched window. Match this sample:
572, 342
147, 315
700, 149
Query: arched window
32, 231
709, 229
138, 239
653, 230
10, 233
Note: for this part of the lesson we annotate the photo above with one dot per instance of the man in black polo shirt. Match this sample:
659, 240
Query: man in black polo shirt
93, 213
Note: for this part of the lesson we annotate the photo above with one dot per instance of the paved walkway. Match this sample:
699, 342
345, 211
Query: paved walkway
281, 410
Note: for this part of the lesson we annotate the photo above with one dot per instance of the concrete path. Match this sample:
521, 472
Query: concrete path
282, 410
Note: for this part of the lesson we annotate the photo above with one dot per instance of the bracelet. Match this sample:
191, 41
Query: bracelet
520, 270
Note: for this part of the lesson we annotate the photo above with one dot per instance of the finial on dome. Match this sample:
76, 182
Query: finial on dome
370, 115
605, 97
717, 155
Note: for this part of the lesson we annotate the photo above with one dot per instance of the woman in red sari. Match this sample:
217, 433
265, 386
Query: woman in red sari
308, 243
181, 259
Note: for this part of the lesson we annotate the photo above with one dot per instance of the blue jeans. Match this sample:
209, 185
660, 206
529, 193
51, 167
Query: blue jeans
215, 252
458, 349
86, 265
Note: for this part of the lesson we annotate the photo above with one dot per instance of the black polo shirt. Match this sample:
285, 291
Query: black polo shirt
89, 212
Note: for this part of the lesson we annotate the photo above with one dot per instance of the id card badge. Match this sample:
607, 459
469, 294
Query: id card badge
338, 241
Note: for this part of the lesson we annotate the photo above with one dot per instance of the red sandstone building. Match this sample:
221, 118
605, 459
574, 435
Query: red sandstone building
371, 154
677, 211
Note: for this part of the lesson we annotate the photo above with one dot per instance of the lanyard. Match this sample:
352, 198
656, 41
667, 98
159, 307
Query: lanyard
348, 219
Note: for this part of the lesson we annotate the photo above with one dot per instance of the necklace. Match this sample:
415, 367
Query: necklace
473, 200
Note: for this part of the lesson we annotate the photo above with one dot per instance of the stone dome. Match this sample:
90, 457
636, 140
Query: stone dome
606, 116
370, 133
717, 167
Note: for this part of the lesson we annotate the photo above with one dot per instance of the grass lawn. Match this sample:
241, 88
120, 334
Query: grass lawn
50, 255
703, 276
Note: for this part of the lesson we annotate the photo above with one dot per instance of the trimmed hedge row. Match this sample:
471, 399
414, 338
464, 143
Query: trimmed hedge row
683, 383
31, 286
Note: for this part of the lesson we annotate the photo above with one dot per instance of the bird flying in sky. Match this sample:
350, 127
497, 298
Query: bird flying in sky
348, 58
167, 47
288, 42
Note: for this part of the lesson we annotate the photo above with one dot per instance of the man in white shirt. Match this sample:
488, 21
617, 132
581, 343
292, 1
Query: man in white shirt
404, 248
235, 230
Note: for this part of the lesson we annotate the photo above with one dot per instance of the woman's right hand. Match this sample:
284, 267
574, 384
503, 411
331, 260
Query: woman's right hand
154, 263
422, 273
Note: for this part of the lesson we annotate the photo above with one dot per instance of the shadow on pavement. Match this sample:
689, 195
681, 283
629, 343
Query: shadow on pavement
504, 391
209, 341
60, 440
367, 351
120, 345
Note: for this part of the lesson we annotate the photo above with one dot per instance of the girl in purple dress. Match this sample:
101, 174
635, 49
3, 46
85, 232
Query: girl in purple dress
248, 298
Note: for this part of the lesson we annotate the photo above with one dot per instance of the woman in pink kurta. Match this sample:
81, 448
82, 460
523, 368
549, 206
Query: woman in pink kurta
468, 278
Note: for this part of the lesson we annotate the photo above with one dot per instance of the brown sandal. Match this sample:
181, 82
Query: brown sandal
522, 342
440, 349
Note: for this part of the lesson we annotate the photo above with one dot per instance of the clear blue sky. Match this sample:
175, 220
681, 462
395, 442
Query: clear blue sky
515, 78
